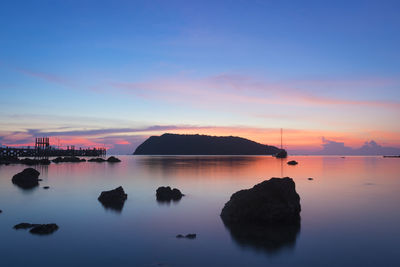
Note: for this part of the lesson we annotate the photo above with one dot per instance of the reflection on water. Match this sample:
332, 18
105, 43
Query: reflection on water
267, 238
350, 213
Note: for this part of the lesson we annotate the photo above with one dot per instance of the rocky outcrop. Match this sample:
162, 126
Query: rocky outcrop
113, 159
113, 199
292, 162
165, 193
68, 159
38, 229
28, 161
273, 201
96, 160
26, 179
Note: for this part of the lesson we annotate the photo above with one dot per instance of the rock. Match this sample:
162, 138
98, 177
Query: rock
113, 199
68, 159
46, 187
292, 162
97, 160
26, 179
191, 236
44, 229
113, 159
281, 154
188, 236
28, 161
167, 194
273, 201
310, 179
1, 211
24, 226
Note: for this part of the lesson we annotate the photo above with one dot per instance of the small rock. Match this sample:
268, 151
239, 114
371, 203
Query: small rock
26, 179
46, 187
44, 229
188, 236
1, 211
113, 159
292, 162
24, 226
191, 236
310, 179
114, 199
167, 194
97, 160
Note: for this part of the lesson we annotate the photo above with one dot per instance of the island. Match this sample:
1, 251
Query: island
184, 144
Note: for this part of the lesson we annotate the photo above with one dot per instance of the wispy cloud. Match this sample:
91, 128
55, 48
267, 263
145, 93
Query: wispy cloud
48, 77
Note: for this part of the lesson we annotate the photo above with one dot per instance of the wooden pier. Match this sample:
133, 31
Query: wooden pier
43, 149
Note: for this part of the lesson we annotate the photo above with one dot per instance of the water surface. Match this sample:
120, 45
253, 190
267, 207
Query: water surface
350, 213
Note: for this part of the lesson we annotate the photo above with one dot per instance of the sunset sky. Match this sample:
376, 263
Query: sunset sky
94, 73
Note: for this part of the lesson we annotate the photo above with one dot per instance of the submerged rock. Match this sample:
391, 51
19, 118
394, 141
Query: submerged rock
97, 160
113, 159
113, 199
44, 229
310, 178
26, 179
1, 211
273, 201
292, 162
46, 187
165, 193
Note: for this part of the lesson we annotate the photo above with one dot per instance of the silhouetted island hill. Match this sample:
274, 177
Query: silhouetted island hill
177, 144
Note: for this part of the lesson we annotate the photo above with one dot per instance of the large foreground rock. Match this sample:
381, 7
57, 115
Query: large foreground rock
165, 193
273, 201
113, 199
26, 179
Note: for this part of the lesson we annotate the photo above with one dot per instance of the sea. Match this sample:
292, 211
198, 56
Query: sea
350, 213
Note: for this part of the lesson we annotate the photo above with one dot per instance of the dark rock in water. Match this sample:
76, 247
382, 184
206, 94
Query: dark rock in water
97, 160
46, 187
26, 179
310, 179
273, 201
7, 160
165, 193
24, 226
266, 238
292, 162
113, 159
281, 154
44, 229
113, 199
191, 236
28, 161
188, 236
1, 211
68, 159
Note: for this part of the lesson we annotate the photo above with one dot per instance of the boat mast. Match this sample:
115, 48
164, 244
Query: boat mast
281, 139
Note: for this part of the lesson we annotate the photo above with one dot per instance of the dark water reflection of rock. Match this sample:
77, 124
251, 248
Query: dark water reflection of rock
269, 239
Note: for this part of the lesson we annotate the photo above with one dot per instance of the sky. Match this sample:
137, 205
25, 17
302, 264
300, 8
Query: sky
112, 73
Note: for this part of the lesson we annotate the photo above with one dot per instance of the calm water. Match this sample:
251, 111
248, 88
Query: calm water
350, 213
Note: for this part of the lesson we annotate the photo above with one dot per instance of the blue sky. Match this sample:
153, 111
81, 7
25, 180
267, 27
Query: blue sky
317, 68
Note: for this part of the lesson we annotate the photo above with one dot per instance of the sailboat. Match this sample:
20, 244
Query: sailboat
282, 152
